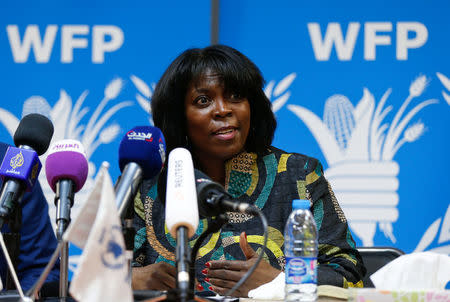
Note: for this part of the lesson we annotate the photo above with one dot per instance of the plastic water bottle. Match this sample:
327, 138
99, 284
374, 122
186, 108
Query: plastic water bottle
300, 250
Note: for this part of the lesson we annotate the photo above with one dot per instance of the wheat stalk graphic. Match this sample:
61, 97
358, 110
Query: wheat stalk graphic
67, 123
279, 94
67, 120
94, 125
398, 124
446, 82
345, 128
432, 232
359, 148
144, 95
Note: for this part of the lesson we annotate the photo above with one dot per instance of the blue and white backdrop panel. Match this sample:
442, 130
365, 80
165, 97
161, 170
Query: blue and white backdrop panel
363, 87
91, 67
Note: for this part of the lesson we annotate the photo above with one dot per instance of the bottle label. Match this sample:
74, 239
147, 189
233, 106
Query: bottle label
301, 270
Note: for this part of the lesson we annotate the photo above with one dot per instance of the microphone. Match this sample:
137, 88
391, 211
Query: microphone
21, 166
181, 213
181, 197
214, 200
142, 153
66, 169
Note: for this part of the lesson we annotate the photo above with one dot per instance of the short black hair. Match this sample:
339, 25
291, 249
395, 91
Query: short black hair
239, 75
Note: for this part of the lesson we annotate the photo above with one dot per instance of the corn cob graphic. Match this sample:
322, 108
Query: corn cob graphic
338, 116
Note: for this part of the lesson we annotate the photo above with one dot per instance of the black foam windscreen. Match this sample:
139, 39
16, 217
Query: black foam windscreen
35, 131
206, 188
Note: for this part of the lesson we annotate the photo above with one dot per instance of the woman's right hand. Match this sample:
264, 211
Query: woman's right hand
157, 276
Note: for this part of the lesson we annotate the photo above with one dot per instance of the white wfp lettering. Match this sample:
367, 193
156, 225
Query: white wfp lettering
72, 36
100, 46
403, 43
69, 42
333, 35
345, 45
371, 39
31, 39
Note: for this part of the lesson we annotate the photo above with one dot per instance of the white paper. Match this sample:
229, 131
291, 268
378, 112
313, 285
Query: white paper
426, 270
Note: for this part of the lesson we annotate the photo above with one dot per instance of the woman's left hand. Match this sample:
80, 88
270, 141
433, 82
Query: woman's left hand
224, 274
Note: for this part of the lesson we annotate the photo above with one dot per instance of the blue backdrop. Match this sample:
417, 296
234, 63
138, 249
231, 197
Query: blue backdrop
363, 87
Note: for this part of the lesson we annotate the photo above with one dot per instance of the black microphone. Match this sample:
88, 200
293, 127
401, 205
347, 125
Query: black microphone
214, 200
21, 166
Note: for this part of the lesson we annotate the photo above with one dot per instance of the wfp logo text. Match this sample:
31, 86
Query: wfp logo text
408, 35
104, 39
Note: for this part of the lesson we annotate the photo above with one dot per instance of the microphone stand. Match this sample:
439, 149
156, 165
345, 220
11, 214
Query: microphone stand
9, 199
11, 213
183, 263
128, 232
64, 189
126, 189
184, 290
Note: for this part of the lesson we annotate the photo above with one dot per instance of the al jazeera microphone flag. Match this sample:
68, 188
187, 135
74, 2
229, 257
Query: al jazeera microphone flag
102, 273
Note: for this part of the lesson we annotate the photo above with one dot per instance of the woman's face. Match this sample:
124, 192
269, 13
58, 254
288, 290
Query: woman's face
218, 122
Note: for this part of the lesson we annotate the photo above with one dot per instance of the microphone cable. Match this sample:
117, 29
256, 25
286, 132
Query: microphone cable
214, 226
260, 255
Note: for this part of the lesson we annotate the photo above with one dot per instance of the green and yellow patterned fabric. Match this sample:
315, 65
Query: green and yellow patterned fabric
269, 182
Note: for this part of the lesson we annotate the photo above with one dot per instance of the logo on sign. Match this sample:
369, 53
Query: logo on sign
409, 35
139, 136
58, 147
17, 161
105, 39
297, 267
112, 255
359, 146
178, 173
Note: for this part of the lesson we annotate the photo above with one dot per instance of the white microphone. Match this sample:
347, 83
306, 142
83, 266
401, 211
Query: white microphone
181, 193
181, 214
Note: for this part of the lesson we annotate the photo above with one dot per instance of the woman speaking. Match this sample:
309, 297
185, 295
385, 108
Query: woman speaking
211, 101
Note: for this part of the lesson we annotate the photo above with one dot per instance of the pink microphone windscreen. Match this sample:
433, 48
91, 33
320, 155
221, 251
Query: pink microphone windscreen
66, 160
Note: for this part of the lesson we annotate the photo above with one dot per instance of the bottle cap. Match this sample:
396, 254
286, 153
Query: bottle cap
301, 204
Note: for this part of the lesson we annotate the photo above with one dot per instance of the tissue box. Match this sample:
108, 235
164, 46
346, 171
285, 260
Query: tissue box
372, 295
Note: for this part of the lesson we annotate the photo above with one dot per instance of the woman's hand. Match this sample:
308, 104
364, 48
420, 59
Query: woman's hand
224, 274
157, 276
